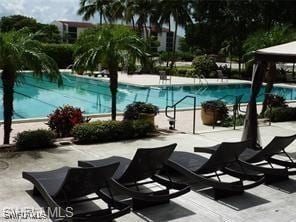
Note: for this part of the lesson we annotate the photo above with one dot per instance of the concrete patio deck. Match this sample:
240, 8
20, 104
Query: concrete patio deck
263, 203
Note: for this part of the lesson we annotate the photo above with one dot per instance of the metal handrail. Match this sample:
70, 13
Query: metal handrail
173, 118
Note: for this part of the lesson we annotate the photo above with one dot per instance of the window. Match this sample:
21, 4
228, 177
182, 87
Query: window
169, 41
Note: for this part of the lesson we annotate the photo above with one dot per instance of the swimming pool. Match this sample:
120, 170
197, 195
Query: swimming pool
37, 98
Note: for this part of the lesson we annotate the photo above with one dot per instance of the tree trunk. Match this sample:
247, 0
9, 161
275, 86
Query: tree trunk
113, 89
270, 78
175, 37
174, 45
101, 16
8, 78
133, 23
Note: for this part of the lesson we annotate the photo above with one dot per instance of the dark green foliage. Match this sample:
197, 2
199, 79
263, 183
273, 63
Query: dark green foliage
204, 65
110, 131
61, 53
17, 22
276, 101
217, 106
142, 127
44, 33
48, 34
133, 110
228, 122
35, 139
281, 114
177, 71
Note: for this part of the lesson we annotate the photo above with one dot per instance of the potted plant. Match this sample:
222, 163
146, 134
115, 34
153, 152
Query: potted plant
213, 111
141, 110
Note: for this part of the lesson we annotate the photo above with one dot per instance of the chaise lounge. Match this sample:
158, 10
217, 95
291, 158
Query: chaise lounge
143, 169
201, 169
68, 187
267, 160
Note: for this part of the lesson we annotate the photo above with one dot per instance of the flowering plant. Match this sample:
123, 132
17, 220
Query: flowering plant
63, 119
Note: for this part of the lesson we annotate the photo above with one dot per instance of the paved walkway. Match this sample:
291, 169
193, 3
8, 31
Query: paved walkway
153, 80
263, 203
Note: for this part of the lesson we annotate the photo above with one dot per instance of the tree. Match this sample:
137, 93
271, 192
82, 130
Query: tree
88, 8
17, 52
17, 22
180, 11
45, 33
48, 34
110, 46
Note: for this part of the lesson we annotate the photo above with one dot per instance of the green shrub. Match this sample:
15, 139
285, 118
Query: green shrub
110, 131
61, 53
142, 127
133, 110
35, 139
281, 114
217, 106
275, 100
228, 121
204, 65
186, 56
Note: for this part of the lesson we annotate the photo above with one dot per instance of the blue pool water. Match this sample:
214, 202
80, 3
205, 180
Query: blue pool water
37, 98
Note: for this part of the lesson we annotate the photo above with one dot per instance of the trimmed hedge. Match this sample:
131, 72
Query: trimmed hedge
35, 139
281, 114
110, 131
178, 71
61, 53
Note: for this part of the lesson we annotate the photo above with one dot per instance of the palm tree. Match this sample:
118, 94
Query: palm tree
88, 9
110, 46
179, 10
17, 52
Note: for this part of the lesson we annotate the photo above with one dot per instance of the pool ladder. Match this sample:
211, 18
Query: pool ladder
204, 83
172, 119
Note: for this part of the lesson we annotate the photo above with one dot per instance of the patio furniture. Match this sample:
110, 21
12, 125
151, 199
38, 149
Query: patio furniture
267, 160
163, 77
66, 187
201, 169
143, 169
221, 75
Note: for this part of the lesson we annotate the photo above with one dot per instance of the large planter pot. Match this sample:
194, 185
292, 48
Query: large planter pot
149, 117
209, 117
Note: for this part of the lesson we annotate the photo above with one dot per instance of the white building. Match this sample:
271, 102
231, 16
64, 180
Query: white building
70, 30
165, 37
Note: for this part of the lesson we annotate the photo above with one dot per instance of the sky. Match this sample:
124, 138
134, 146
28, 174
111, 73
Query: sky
46, 11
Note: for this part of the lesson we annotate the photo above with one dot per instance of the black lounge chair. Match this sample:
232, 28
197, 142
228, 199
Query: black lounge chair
266, 161
202, 169
67, 187
143, 169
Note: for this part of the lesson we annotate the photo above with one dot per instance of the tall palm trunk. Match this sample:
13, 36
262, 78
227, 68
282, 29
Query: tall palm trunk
175, 37
8, 77
113, 89
133, 23
174, 45
101, 17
